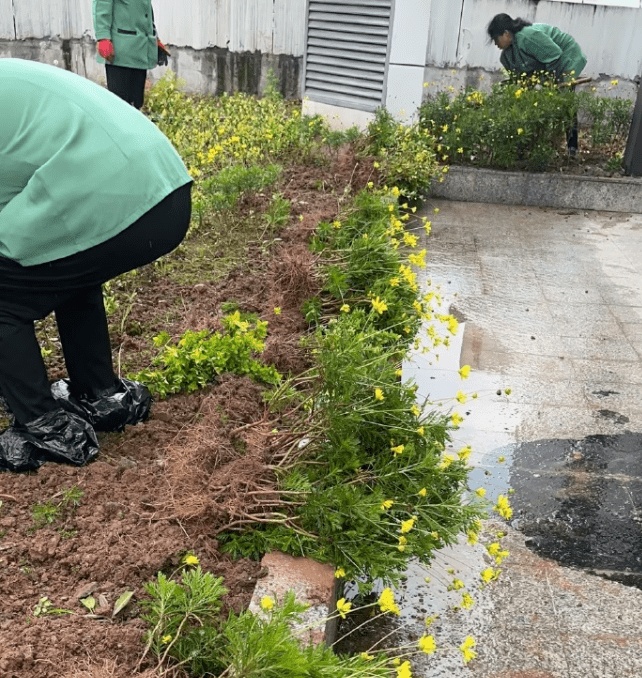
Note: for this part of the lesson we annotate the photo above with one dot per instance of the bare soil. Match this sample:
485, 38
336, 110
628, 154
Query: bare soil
167, 486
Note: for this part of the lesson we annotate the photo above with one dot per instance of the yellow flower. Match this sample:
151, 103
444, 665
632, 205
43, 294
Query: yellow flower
464, 453
340, 572
166, 639
456, 419
403, 542
436, 210
446, 461
614, 82
489, 574
407, 525
422, 492
398, 373
418, 259
461, 397
367, 657
267, 603
500, 556
427, 644
415, 410
464, 371
345, 308
387, 603
501, 459
420, 430
444, 128
520, 130
410, 240
370, 184
379, 305
277, 310
397, 450
518, 93
404, 671
503, 507
343, 608
467, 600
460, 150
190, 559
456, 585
378, 394
473, 537
493, 549
480, 492
376, 165
467, 649
387, 504
428, 227
336, 224
394, 282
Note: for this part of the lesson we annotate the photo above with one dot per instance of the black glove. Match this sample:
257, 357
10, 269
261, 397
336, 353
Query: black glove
163, 54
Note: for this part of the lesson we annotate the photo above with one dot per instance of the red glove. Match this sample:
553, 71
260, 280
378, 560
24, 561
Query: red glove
106, 49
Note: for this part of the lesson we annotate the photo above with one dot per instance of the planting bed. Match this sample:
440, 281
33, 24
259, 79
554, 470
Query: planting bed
168, 486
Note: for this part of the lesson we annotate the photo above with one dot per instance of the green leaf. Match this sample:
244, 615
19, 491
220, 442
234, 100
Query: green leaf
89, 603
122, 601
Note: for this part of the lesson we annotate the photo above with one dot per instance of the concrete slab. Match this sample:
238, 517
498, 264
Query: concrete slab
313, 583
471, 184
550, 305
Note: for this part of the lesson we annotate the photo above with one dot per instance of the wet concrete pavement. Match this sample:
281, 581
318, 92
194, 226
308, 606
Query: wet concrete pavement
550, 303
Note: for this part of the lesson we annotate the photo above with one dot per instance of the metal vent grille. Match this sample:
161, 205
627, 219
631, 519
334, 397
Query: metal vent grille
346, 52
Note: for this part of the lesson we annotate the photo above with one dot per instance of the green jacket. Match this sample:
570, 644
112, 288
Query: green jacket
78, 165
541, 47
129, 24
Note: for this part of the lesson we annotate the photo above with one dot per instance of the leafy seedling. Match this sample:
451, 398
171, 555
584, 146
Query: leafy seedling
44, 607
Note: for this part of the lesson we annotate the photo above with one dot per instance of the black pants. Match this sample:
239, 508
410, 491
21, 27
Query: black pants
127, 83
71, 287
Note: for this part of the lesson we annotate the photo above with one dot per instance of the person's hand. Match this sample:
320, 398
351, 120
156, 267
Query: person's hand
106, 49
163, 53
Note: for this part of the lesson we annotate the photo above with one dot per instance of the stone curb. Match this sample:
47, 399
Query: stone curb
313, 583
471, 184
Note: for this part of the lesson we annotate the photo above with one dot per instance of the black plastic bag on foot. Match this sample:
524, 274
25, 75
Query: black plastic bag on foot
57, 436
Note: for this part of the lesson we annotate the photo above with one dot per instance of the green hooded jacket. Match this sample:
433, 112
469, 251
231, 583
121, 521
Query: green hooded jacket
78, 165
541, 47
129, 24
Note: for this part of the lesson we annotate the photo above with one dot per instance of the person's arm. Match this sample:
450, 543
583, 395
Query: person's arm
103, 17
103, 13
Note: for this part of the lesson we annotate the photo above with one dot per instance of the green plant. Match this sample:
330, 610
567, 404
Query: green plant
45, 607
187, 631
50, 511
609, 118
521, 122
45, 514
614, 164
278, 211
197, 357
405, 154
371, 487
231, 183
184, 620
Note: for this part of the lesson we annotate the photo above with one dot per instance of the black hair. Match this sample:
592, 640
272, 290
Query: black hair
501, 23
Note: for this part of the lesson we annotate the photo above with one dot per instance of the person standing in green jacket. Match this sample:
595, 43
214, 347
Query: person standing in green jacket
89, 189
127, 45
528, 48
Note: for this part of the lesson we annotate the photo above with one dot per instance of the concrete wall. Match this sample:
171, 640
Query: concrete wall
216, 45
224, 45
